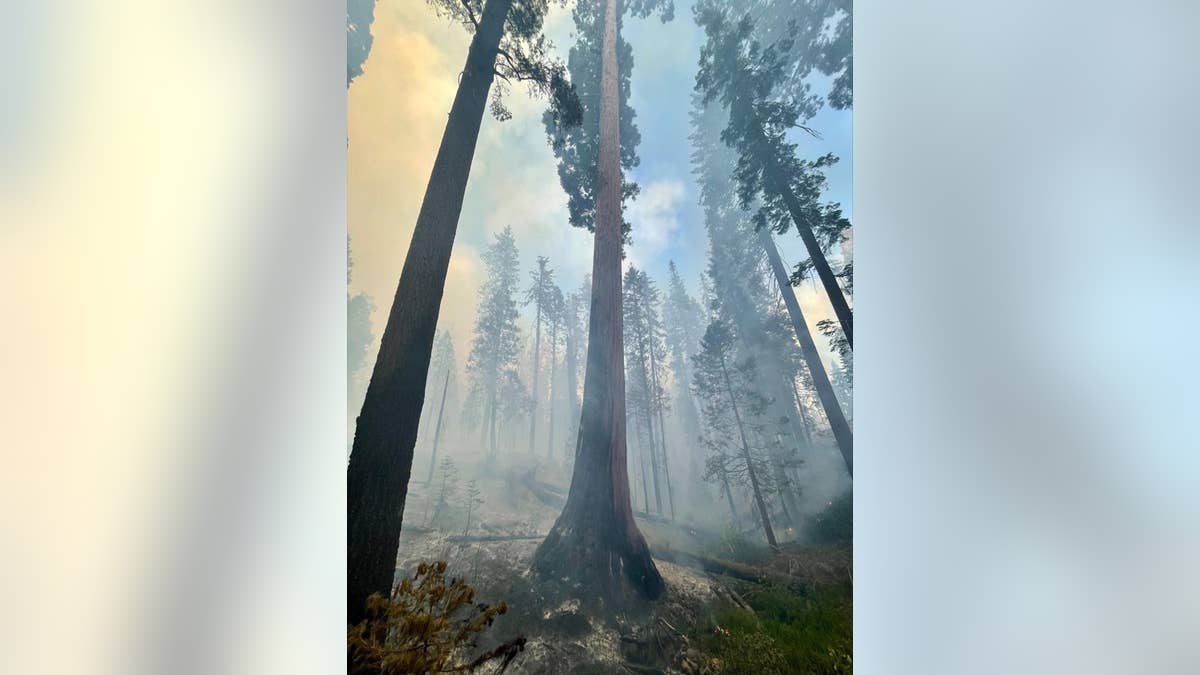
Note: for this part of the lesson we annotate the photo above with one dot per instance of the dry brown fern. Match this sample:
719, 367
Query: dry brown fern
425, 624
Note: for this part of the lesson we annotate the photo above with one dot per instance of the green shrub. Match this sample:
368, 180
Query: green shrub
746, 650
834, 524
804, 631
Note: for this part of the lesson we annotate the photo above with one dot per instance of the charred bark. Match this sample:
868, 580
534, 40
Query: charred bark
381, 459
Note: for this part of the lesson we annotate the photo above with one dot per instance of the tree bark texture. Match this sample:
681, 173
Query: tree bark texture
386, 433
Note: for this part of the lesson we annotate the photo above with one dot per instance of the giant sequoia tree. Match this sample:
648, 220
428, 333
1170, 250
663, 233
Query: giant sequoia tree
508, 44
595, 539
737, 71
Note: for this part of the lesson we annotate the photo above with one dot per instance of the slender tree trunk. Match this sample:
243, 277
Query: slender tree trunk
537, 351
492, 440
691, 429
662, 432
804, 420
758, 498
729, 495
833, 410
832, 289
641, 448
550, 398
437, 433
782, 483
648, 421
595, 540
386, 433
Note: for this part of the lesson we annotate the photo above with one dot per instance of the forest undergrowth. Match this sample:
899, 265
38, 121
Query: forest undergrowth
795, 616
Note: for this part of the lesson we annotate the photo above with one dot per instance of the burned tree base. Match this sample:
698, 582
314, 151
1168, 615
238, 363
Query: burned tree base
604, 569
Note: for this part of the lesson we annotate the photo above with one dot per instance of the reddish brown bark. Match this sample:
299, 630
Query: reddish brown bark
595, 541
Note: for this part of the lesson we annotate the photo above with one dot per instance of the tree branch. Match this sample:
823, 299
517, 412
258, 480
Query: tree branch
470, 13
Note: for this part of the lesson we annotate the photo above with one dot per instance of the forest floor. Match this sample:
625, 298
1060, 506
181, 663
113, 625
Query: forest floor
730, 606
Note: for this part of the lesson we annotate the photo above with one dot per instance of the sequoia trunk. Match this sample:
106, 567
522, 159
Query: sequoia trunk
595, 539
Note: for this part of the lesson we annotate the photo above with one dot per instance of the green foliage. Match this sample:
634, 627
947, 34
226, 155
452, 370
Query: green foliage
524, 56
644, 346
834, 524
807, 631
745, 76
577, 147
492, 361
426, 625
745, 650
683, 321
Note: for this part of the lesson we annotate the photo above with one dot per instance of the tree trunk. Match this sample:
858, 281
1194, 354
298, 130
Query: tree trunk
758, 498
537, 348
492, 441
572, 369
595, 539
805, 425
833, 410
729, 495
832, 289
550, 397
437, 434
386, 432
662, 432
641, 447
648, 418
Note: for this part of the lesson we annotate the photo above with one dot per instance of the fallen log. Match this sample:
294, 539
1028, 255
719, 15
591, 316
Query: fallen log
545, 493
727, 567
467, 539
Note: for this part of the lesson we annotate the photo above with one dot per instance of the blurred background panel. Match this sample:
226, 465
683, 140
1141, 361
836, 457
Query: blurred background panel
1029, 256
172, 249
